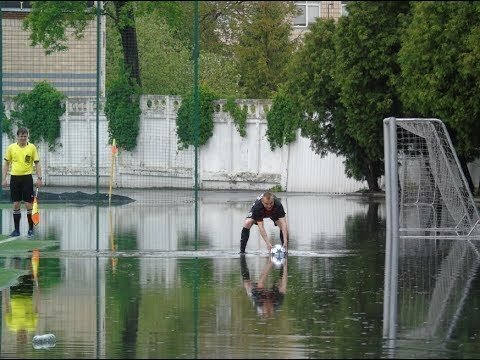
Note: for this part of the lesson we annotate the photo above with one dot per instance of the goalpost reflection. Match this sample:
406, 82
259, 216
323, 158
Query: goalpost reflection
433, 282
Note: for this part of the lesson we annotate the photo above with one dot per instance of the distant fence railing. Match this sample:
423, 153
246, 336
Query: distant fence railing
227, 161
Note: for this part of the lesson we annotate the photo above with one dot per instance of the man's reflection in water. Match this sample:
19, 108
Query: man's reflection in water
21, 301
266, 299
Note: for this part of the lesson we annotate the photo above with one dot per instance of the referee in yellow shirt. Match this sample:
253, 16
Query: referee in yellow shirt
22, 155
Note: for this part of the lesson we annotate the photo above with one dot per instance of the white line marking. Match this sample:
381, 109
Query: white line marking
9, 239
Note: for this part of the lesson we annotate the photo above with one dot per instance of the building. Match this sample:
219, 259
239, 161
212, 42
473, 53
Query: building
311, 10
73, 72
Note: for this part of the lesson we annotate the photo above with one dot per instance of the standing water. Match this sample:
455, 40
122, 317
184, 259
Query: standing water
151, 291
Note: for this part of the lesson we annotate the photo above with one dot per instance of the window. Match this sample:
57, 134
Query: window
344, 8
16, 5
308, 12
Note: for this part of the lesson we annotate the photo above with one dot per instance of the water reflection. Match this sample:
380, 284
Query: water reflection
434, 284
266, 297
152, 296
20, 304
316, 222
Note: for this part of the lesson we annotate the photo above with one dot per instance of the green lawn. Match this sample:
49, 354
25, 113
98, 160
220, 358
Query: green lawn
9, 276
18, 247
23, 245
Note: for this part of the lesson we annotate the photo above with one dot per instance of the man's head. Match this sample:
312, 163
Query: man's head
22, 135
267, 200
268, 304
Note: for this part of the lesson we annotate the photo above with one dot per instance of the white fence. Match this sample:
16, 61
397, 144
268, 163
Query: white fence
227, 161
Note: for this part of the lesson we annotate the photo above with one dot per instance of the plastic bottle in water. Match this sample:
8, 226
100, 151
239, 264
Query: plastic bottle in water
44, 341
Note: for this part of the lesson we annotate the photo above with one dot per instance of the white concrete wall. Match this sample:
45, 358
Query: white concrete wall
227, 161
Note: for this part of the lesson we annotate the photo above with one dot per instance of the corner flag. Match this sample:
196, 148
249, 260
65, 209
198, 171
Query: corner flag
35, 213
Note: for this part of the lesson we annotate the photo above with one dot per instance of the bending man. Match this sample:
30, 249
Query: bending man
265, 206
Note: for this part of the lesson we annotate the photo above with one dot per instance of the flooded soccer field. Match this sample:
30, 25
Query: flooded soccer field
149, 279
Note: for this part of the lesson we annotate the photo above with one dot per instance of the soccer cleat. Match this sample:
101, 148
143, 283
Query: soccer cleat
15, 233
30, 233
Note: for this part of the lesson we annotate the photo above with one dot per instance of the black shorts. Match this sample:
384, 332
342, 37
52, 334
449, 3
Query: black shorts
21, 188
274, 218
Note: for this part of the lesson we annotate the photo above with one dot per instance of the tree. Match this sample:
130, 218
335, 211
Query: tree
367, 42
264, 47
439, 62
154, 37
166, 61
312, 85
125, 21
342, 80
49, 24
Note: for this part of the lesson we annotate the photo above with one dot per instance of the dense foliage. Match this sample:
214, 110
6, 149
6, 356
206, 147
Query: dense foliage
386, 58
282, 121
39, 111
122, 108
238, 114
190, 129
367, 45
264, 48
342, 79
439, 60
54, 35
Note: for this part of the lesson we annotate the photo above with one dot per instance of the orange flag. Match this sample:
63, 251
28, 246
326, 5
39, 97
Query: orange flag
35, 213
35, 262
114, 148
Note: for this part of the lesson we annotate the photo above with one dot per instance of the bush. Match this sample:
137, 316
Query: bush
122, 109
238, 115
39, 111
186, 129
282, 121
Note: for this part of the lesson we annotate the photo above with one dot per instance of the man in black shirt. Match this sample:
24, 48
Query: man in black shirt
267, 299
265, 206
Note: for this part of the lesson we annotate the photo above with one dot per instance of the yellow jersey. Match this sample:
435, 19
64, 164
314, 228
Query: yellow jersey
21, 158
22, 315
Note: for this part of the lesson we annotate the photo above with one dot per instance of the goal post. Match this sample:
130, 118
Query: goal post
426, 196
426, 188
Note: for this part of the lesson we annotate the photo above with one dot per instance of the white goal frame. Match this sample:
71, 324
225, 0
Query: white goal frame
426, 195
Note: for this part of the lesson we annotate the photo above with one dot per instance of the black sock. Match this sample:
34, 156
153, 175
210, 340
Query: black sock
281, 236
17, 214
244, 239
29, 218
244, 268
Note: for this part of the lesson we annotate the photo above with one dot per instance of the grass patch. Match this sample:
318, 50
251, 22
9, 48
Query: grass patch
19, 245
9, 276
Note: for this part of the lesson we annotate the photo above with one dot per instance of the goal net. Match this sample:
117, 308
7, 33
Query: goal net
426, 197
432, 195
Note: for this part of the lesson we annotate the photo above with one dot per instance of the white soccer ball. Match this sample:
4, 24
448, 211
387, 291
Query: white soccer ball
278, 251
278, 262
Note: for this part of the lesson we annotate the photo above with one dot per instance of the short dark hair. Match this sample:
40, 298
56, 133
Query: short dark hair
22, 130
267, 195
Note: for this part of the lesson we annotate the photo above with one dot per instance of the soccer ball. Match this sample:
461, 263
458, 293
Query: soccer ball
278, 261
277, 251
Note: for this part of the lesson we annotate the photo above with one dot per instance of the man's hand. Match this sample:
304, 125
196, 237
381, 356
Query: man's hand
5, 182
